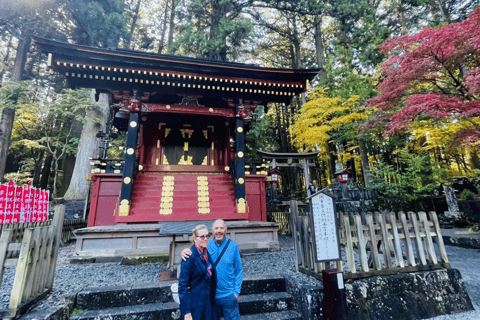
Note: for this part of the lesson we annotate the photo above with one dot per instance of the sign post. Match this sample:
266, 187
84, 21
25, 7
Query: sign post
326, 243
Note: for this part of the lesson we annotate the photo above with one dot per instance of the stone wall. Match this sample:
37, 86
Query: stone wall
404, 296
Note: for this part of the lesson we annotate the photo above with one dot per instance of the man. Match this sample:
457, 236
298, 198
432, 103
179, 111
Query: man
229, 271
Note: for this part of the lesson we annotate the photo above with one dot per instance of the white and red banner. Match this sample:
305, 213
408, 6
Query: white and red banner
20, 204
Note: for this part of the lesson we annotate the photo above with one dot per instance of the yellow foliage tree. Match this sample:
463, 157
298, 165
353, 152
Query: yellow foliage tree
320, 116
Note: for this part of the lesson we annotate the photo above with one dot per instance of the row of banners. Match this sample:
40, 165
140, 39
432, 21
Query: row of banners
19, 204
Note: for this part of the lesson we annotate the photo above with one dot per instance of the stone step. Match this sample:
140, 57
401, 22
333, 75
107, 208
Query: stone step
263, 284
265, 302
282, 315
120, 296
160, 311
143, 293
273, 305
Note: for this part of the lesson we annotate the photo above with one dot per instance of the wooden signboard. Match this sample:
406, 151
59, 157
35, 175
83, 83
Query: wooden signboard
326, 239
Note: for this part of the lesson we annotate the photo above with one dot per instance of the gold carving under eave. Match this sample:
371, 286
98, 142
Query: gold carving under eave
205, 133
187, 131
203, 195
167, 131
166, 200
185, 146
205, 161
186, 163
165, 161
124, 208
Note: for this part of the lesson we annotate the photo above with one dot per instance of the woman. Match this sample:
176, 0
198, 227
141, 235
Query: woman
197, 283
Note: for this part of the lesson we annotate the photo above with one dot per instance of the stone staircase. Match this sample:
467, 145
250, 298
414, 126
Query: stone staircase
263, 297
182, 197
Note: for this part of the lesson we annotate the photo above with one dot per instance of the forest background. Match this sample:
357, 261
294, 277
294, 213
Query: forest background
396, 100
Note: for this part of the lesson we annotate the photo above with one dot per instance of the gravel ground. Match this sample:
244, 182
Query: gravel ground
70, 278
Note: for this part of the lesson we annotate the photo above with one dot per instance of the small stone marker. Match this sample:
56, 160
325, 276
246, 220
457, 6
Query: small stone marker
325, 228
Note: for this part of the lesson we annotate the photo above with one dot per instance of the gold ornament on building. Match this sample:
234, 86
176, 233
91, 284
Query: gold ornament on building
133, 124
130, 151
127, 180
227, 168
240, 129
240, 154
241, 181
124, 208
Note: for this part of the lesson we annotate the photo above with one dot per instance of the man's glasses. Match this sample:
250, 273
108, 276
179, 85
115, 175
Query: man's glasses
205, 237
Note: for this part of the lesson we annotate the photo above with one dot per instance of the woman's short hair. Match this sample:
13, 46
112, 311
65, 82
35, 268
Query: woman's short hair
196, 229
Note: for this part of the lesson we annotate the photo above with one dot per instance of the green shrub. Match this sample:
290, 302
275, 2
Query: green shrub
466, 195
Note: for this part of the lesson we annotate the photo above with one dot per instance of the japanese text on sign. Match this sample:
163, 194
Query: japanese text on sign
327, 245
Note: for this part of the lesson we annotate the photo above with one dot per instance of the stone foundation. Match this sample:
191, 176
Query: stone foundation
104, 243
405, 296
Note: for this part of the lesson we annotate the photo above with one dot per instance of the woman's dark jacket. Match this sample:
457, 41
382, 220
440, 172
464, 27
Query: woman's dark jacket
193, 279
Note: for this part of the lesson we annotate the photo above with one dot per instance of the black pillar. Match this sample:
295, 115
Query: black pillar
129, 166
240, 166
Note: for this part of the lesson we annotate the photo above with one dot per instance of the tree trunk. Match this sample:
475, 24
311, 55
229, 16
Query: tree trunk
171, 27
319, 48
47, 167
6, 125
37, 168
88, 147
68, 165
164, 29
21, 58
365, 164
8, 115
134, 23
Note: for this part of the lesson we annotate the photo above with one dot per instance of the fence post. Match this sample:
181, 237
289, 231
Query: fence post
21, 273
57, 225
293, 223
4, 241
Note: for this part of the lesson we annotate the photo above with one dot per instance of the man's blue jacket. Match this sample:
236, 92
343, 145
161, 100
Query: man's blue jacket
229, 268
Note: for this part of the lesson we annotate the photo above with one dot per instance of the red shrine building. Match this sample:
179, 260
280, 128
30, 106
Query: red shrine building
186, 120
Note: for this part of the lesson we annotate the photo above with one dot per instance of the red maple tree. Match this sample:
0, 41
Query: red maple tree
434, 73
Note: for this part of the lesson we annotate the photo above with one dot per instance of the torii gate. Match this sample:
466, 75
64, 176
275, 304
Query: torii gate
299, 160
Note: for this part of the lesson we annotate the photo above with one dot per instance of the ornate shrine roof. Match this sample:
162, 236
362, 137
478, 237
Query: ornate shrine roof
167, 75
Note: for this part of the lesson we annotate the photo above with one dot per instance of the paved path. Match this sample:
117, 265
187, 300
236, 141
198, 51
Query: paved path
468, 262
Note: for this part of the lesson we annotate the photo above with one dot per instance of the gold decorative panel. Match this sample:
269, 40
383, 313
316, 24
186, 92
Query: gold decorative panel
205, 161
166, 200
203, 195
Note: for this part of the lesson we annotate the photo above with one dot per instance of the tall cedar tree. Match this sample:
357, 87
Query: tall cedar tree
434, 74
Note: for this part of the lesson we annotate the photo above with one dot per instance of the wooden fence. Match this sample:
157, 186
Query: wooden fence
69, 226
36, 262
283, 218
376, 244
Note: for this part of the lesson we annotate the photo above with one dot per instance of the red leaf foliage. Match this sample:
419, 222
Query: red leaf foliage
434, 73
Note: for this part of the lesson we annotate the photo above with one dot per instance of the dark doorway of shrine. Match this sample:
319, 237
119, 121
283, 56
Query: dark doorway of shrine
184, 143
